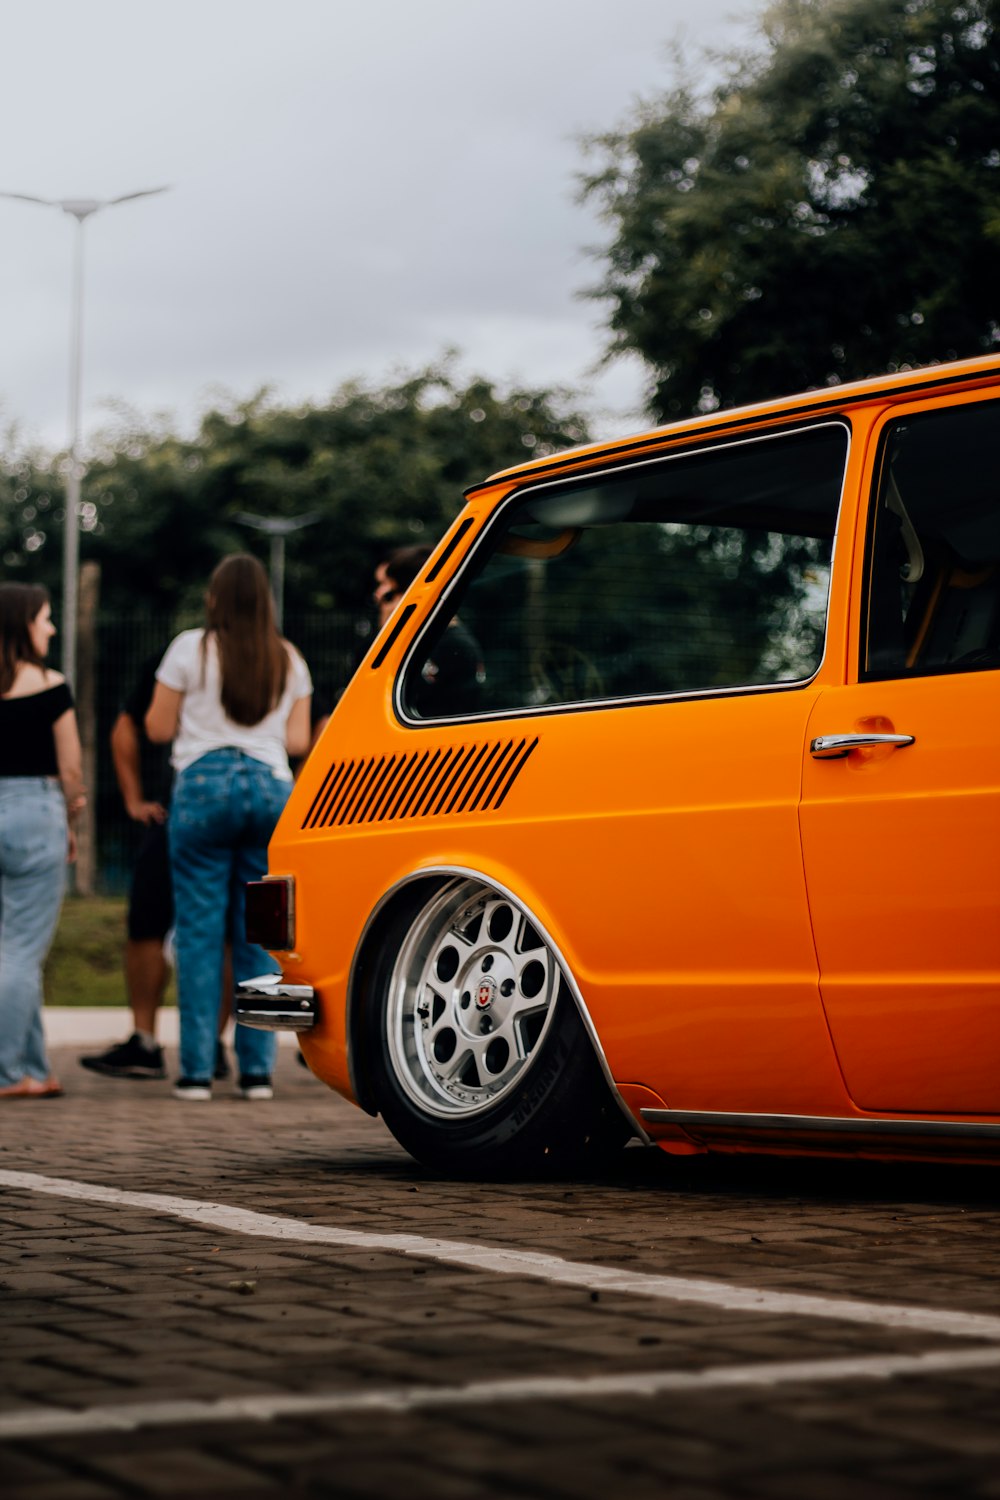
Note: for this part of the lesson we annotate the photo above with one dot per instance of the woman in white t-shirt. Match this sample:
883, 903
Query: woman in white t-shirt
235, 700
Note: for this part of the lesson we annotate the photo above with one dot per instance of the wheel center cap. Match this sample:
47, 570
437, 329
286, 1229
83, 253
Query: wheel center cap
486, 993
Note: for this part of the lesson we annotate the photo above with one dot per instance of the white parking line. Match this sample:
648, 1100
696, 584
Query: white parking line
47, 1422
551, 1268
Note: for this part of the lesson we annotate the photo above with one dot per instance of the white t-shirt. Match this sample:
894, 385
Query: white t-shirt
204, 724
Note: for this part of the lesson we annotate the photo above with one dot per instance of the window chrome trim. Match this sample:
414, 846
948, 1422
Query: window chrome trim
519, 495
464, 872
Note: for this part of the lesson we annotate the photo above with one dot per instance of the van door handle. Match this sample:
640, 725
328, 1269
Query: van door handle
835, 746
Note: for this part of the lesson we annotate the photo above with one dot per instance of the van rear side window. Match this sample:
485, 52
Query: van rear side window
702, 572
934, 576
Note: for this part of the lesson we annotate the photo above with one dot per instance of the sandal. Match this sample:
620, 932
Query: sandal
32, 1088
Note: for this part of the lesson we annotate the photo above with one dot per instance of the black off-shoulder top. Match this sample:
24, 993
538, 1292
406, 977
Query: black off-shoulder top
27, 745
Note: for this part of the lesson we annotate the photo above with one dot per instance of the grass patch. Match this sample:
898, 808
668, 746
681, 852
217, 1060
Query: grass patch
84, 966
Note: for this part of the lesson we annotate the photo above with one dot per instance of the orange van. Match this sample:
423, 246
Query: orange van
667, 802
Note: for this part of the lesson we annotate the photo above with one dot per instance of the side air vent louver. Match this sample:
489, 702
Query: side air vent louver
422, 784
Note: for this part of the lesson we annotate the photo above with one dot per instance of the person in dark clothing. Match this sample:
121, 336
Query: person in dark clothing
451, 678
144, 779
393, 577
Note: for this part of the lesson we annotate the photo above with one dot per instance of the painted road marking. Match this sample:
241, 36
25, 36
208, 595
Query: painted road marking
47, 1422
551, 1268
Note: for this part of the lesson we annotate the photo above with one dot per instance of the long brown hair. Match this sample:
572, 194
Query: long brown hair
19, 604
253, 658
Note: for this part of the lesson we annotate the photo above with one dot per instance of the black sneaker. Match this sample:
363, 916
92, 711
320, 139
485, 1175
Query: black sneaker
192, 1088
221, 1062
256, 1086
131, 1059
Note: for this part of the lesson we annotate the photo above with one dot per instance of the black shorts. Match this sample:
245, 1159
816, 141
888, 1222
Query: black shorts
151, 899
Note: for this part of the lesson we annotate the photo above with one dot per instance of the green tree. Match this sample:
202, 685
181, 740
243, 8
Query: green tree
31, 498
831, 210
379, 466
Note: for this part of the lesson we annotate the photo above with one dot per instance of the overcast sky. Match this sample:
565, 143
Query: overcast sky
355, 185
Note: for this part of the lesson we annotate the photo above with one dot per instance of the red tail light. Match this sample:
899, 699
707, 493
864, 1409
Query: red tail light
270, 912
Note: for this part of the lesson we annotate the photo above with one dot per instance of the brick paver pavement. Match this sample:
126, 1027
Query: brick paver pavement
106, 1306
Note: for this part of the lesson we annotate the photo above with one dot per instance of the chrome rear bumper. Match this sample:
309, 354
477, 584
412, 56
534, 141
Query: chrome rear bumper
270, 1005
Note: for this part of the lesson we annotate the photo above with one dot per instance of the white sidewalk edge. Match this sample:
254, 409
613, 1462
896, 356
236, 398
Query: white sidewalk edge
87, 1025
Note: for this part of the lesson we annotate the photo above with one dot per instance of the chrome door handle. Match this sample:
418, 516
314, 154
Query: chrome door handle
834, 746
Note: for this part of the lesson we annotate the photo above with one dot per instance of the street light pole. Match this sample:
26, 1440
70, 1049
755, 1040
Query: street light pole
74, 476
80, 209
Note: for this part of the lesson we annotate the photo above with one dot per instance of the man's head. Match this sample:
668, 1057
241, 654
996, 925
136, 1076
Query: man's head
394, 575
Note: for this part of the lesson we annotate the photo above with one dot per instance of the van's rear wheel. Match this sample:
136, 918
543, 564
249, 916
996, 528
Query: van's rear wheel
480, 1059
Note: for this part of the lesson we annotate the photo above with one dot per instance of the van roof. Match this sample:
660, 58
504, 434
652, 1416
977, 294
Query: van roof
824, 398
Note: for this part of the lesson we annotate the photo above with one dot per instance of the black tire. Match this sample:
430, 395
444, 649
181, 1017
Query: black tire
549, 1111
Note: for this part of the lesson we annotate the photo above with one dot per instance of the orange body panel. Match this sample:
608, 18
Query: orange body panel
900, 847
904, 884
751, 930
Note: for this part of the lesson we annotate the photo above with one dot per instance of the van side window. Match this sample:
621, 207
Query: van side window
933, 596
699, 572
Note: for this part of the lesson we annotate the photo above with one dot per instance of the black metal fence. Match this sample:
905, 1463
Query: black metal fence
331, 644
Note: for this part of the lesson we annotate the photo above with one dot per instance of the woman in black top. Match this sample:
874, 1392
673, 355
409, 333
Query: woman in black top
41, 793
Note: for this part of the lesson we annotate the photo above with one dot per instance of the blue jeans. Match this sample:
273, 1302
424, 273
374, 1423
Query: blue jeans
33, 841
222, 814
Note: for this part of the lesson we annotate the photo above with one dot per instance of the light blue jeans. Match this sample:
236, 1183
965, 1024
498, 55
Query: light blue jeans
33, 841
222, 814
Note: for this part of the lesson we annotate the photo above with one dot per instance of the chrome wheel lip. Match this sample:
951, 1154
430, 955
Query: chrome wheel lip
459, 869
423, 1008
